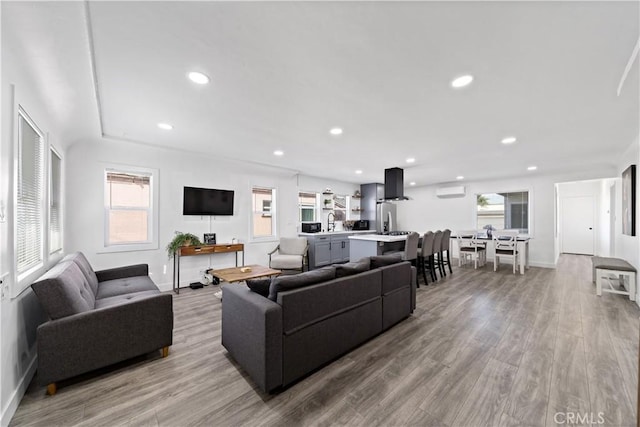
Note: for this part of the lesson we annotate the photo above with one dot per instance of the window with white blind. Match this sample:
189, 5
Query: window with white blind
130, 209
55, 202
29, 197
263, 218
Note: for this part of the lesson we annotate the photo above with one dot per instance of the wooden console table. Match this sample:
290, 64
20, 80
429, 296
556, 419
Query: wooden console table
202, 250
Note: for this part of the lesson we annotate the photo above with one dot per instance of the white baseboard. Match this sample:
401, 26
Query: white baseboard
18, 393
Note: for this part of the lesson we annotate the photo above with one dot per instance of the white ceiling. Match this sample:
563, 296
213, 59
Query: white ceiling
284, 73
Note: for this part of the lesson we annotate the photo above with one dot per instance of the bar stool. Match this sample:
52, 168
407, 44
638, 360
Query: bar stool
426, 257
437, 252
446, 247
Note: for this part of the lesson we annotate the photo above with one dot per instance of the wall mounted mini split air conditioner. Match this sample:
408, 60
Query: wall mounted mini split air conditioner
448, 192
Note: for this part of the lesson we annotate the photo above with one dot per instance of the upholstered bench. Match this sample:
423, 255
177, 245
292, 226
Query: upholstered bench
605, 268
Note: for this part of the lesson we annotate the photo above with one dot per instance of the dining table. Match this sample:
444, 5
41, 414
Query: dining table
522, 244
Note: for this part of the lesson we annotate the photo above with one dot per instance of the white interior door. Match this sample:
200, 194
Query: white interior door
577, 225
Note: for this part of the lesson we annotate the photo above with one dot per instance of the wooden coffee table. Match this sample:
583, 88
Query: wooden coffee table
235, 274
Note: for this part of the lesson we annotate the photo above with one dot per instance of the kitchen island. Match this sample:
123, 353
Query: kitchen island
374, 244
326, 248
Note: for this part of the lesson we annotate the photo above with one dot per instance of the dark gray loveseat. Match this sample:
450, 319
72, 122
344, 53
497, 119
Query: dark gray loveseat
98, 318
279, 340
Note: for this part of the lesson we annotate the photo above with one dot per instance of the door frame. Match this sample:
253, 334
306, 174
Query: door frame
594, 226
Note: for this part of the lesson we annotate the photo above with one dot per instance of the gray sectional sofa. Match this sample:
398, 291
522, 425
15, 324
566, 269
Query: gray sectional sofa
310, 319
98, 318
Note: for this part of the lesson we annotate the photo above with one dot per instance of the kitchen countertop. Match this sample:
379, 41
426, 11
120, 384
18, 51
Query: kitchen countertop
333, 233
380, 238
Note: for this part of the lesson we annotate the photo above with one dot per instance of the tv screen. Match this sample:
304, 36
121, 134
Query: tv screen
207, 201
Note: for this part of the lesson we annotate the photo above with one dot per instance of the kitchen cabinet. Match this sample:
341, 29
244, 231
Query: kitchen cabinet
327, 249
340, 248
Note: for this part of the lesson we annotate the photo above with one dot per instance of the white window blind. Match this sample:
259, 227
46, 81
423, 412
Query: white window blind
29, 221
129, 207
55, 203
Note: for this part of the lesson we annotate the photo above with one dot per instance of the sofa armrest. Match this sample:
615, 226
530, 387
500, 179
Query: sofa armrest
122, 272
96, 338
252, 333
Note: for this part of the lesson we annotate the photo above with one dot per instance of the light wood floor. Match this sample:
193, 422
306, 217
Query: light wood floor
482, 348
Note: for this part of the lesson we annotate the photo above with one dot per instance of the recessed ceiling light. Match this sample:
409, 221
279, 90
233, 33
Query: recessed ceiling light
278, 153
509, 140
358, 172
532, 168
461, 81
412, 183
165, 126
336, 131
196, 77
411, 160
459, 177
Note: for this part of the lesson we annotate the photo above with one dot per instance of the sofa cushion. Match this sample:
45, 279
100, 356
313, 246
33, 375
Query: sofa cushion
303, 307
351, 268
127, 285
260, 286
124, 299
85, 267
286, 262
395, 276
64, 291
285, 283
382, 260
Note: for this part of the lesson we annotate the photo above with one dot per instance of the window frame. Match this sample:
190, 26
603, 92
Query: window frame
272, 213
22, 277
53, 151
316, 206
152, 223
530, 218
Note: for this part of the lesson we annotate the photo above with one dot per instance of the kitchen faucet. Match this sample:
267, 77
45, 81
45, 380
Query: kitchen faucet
331, 225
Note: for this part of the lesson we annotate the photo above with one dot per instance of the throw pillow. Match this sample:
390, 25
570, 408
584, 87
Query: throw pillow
286, 283
351, 268
260, 286
382, 260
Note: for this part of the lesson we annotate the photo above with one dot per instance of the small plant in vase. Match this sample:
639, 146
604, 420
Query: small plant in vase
180, 240
489, 230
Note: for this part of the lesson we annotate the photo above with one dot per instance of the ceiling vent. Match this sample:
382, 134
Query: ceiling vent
394, 184
448, 192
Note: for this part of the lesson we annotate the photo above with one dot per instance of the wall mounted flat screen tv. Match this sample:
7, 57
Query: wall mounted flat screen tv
207, 201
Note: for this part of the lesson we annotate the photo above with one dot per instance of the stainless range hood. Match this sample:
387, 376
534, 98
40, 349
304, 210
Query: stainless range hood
394, 184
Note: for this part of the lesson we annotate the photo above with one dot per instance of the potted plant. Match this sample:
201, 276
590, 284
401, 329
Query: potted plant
489, 230
181, 239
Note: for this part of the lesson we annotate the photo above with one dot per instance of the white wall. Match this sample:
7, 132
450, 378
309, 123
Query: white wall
427, 212
628, 247
84, 219
19, 316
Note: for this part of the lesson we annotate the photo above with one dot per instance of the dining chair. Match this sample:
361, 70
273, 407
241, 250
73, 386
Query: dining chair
437, 252
470, 248
426, 255
506, 246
